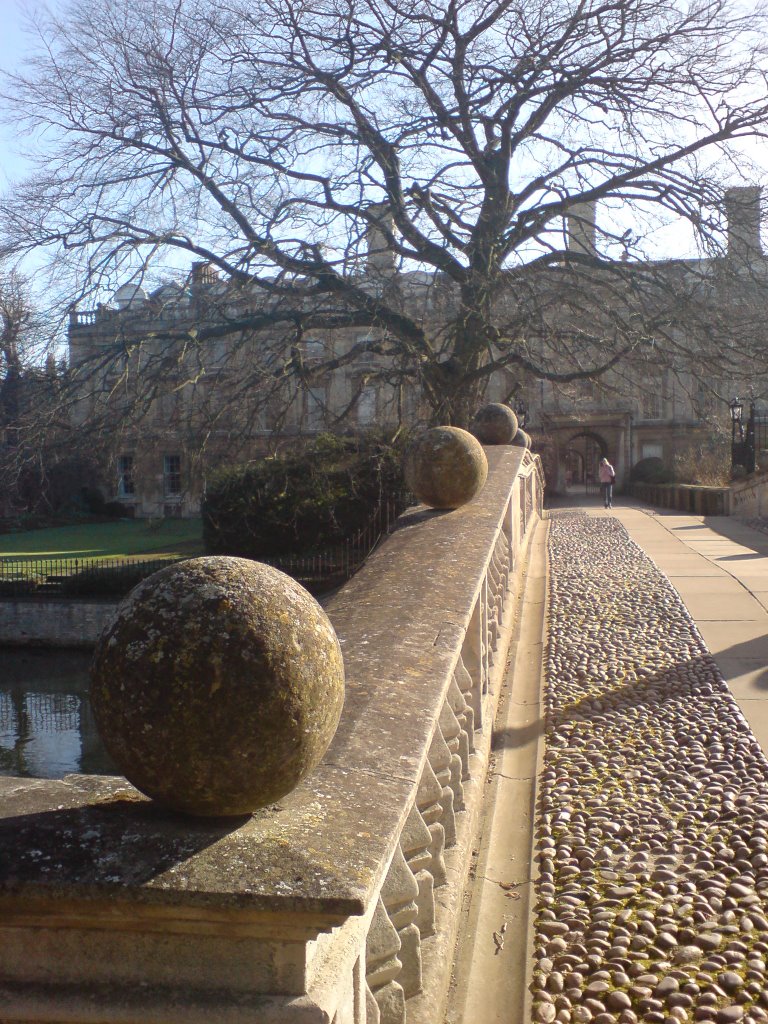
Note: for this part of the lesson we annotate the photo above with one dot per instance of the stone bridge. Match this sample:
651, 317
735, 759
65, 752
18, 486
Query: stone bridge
342, 902
394, 885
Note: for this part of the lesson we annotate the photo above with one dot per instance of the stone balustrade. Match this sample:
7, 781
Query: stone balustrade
340, 903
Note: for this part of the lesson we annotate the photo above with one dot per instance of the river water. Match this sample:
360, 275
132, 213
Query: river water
46, 726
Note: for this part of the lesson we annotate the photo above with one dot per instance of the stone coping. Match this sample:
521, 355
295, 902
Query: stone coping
95, 843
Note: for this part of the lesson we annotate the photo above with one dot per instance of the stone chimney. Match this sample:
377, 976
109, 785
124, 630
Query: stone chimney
202, 274
580, 228
742, 207
381, 259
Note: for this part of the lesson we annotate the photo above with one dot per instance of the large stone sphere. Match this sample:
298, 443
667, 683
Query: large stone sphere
445, 467
218, 686
494, 424
521, 439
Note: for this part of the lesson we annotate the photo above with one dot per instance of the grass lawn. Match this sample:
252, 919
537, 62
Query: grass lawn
121, 539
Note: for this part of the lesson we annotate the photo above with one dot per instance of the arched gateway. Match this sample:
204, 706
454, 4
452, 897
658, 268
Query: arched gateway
575, 450
581, 456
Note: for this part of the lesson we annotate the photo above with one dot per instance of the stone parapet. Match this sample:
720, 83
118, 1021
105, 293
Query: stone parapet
745, 497
337, 904
688, 498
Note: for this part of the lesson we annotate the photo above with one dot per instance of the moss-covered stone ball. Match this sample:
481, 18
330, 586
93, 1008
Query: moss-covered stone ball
494, 424
445, 467
522, 440
218, 686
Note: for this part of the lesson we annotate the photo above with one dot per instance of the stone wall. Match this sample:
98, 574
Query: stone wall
53, 623
747, 497
703, 501
339, 904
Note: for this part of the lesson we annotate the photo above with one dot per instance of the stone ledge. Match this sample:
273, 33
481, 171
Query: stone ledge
322, 851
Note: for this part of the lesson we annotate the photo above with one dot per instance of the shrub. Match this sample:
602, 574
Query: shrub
115, 510
650, 471
301, 501
706, 462
93, 501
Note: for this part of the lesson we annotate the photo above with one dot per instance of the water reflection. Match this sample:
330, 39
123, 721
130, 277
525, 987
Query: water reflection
46, 726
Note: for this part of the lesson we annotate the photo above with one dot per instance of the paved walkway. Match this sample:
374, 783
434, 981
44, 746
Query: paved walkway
651, 827
651, 823
719, 567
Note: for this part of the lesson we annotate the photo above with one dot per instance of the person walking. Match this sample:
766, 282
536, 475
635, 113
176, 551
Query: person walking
607, 476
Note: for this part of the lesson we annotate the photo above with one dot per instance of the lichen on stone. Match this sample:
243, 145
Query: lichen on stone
208, 695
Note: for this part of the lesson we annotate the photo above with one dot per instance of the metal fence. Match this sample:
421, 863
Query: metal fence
759, 425
75, 577
112, 578
334, 565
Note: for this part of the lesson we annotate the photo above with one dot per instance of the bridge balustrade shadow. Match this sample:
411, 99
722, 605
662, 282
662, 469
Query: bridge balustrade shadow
653, 690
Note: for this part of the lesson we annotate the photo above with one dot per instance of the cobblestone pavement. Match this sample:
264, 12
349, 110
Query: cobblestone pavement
652, 818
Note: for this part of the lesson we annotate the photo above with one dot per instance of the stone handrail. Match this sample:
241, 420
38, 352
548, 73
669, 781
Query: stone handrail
339, 903
691, 498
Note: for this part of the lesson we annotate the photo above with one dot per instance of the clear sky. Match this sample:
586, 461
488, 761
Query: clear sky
14, 42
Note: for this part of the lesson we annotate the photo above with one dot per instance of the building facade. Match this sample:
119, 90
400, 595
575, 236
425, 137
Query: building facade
175, 409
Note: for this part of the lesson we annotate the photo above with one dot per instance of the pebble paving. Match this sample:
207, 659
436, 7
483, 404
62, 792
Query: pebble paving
652, 816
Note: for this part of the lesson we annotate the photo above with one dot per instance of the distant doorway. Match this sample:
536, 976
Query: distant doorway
581, 462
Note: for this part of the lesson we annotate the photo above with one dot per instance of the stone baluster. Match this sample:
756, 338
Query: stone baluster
472, 658
487, 631
509, 530
352, 1007
450, 729
501, 562
466, 685
383, 967
501, 553
399, 895
465, 718
416, 843
372, 1013
494, 628
428, 797
439, 757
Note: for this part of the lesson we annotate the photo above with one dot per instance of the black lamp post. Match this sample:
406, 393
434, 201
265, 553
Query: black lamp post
737, 410
742, 449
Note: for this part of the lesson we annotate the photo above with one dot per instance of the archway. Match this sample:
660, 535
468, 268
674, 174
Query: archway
581, 458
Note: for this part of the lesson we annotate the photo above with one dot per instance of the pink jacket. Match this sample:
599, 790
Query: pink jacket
606, 473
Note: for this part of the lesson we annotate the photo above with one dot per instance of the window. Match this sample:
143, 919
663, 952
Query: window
171, 475
125, 483
651, 451
652, 405
366, 406
654, 395
314, 348
365, 356
168, 408
705, 402
315, 408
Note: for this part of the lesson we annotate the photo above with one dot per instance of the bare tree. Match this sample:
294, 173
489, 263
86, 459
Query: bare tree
16, 315
28, 399
400, 165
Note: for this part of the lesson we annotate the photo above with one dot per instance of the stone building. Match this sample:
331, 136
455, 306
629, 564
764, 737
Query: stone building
657, 407
174, 409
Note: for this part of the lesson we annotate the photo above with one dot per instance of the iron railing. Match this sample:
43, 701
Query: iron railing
75, 577
748, 438
334, 565
112, 578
